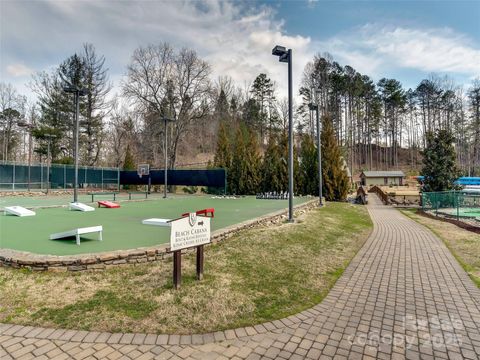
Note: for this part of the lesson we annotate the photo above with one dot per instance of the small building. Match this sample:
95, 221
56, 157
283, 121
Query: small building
382, 178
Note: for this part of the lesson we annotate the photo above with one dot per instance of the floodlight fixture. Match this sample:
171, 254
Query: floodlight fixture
279, 50
69, 89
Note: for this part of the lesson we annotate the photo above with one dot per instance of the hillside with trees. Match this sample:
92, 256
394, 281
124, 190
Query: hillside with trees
377, 125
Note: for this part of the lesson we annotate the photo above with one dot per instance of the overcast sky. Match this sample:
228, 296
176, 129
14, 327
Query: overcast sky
405, 40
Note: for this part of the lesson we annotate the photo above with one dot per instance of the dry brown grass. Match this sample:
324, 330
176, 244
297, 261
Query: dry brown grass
258, 275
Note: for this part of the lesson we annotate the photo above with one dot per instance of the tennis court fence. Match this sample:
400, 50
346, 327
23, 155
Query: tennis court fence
19, 176
459, 204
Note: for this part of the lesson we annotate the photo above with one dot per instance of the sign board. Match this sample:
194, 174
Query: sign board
189, 231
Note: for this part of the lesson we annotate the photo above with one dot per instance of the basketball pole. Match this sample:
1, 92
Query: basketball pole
166, 160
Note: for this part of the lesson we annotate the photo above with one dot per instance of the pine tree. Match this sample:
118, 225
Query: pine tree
308, 166
271, 167
283, 168
297, 178
223, 152
263, 92
222, 111
87, 71
246, 162
253, 162
274, 168
223, 155
439, 161
335, 180
239, 164
129, 162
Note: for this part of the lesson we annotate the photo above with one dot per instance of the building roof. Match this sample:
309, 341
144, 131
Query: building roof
463, 181
466, 180
383, 174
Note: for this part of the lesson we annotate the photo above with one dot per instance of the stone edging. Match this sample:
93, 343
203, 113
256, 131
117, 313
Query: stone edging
105, 260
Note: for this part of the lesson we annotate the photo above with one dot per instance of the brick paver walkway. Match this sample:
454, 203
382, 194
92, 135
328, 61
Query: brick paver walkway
403, 296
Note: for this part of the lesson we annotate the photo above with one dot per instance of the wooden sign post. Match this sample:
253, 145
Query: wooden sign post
187, 232
200, 262
177, 268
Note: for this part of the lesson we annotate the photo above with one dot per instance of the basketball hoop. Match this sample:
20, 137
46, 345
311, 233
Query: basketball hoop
143, 170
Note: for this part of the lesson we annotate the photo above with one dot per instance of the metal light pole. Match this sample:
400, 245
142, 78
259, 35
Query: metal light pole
286, 56
165, 119
49, 140
29, 158
77, 93
319, 150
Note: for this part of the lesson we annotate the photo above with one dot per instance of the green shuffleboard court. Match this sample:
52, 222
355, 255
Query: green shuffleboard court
123, 228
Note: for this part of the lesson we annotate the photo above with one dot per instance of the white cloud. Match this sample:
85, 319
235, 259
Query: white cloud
18, 70
374, 50
236, 38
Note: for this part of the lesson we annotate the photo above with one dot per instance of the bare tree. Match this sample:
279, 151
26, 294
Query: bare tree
12, 109
122, 130
165, 82
96, 104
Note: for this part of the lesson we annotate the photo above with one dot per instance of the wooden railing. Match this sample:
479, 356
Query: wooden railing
384, 197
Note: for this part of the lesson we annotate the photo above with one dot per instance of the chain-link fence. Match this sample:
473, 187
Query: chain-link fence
454, 204
16, 176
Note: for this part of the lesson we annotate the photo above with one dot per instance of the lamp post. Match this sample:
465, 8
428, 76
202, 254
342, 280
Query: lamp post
165, 119
285, 55
77, 93
49, 138
319, 150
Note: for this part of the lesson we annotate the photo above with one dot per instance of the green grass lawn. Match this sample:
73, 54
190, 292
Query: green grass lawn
258, 275
123, 228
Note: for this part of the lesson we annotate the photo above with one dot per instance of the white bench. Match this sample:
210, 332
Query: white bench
80, 207
157, 222
78, 232
18, 211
